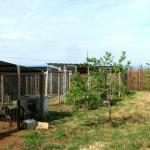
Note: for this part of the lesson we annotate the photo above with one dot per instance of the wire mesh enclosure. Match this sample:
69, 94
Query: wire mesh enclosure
58, 84
8, 102
21, 95
26, 92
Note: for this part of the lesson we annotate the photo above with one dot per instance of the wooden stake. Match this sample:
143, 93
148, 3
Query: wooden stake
119, 78
46, 83
51, 83
18, 100
41, 94
2, 89
65, 80
26, 85
59, 87
70, 74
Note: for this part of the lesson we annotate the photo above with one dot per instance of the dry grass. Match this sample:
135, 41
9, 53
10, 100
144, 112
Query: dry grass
130, 128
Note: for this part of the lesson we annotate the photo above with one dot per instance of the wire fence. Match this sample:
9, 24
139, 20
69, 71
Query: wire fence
137, 79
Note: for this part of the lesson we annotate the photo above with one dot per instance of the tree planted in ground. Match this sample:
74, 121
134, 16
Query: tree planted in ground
80, 96
109, 77
106, 82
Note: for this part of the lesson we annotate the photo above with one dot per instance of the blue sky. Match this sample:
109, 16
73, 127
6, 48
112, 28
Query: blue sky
63, 30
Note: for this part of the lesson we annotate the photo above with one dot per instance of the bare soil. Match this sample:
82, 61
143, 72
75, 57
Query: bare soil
10, 139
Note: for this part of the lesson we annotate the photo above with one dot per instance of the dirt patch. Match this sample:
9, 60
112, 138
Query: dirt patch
10, 140
5, 127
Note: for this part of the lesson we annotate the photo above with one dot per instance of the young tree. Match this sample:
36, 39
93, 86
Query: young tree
111, 77
106, 82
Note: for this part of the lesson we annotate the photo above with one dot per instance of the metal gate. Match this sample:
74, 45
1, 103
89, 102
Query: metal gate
8, 103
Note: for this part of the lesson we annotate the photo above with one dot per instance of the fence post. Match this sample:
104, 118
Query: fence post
70, 74
2, 90
119, 90
26, 85
41, 93
46, 82
51, 84
65, 80
58, 87
18, 100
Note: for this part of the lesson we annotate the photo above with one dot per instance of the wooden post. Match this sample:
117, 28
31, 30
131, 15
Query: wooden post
51, 84
59, 87
35, 85
26, 85
76, 69
46, 82
70, 74
88, 73
2, 90
65, 80
18, 100
109, 98
119, 78
41, 94
38, 85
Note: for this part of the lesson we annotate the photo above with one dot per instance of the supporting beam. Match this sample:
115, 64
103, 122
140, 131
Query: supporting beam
59, 87
76, 69
41, 94
65, 80
26, 85
70, 74
46, 82
2, 90
51, 83
18, 100
119, 80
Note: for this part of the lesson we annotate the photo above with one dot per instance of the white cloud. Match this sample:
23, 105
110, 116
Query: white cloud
59, 26
15, 36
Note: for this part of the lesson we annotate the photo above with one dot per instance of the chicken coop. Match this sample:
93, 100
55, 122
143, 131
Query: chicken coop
27, 91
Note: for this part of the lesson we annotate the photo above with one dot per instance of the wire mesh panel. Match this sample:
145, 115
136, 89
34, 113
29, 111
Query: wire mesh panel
8, 98
8, 92
58, 84
136, 79
30, 96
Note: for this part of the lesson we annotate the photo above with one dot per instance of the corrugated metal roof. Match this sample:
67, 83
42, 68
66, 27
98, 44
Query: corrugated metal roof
6, 64
25, 62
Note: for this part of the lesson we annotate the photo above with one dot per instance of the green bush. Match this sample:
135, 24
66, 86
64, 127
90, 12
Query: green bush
80, 96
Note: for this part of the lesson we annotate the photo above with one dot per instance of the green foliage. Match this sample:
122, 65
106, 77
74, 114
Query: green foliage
106, 81
32, 140
54, 147
79, 140
131, 95
79, 95
60, 134
109, 77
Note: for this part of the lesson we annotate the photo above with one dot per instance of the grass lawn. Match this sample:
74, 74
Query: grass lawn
130, 129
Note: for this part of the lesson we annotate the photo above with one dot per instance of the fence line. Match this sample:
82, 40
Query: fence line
136, 79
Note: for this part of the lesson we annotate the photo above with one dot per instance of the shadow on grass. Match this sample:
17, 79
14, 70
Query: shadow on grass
117, 121
131, 94
55, 115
